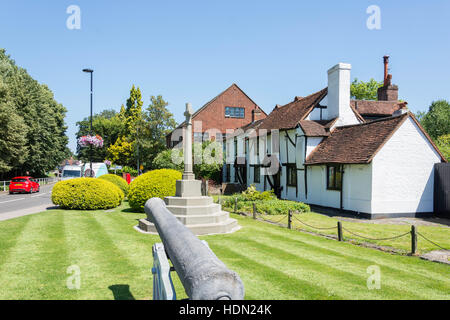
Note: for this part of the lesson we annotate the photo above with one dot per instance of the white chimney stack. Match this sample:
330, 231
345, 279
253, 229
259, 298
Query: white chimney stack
339, 94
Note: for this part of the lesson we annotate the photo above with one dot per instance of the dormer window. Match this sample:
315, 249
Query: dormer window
234, 112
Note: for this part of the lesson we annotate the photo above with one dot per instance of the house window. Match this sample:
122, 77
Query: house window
334, 177
228, 177
256, 174
234, 112
198, 136
291, 175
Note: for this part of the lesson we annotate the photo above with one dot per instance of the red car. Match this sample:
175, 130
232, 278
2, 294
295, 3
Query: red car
23, 184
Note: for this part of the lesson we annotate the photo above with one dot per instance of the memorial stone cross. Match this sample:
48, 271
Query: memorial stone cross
188, 171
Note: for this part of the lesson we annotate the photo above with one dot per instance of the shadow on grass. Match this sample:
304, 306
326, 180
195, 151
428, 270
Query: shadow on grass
121, 292
131, 210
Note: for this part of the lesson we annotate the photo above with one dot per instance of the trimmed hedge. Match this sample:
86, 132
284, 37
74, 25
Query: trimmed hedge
87, 194
154, 184
118, 181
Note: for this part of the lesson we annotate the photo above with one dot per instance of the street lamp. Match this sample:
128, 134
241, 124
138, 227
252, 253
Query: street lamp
90, 130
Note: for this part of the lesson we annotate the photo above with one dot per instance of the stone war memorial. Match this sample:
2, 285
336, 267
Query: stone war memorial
198, 213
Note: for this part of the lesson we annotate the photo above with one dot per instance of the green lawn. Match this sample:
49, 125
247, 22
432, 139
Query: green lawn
273, 262
439, 235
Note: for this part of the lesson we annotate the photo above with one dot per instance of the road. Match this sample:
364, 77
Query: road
18, 204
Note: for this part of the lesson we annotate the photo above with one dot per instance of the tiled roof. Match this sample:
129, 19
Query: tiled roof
289, 115
375, 108
356, 143
315, 128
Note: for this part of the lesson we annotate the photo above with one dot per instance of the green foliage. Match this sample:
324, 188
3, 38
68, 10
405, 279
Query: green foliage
156, 183
120, 152
30, 104
209, 168
126, 169
251, 194
132, 133
266, 202
86, 194
118, 181
443, 143
361, 90
133, 111
156, 123
164, 161
108, 125
437, 120
13, 138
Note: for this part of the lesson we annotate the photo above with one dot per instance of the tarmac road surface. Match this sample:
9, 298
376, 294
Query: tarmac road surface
20, 204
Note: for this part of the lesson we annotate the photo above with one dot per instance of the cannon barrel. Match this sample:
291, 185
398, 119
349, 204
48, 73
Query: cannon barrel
202, 274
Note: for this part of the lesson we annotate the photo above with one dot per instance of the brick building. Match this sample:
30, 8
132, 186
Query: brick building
231, 109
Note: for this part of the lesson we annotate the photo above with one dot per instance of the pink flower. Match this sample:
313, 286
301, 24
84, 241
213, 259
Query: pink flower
95, 141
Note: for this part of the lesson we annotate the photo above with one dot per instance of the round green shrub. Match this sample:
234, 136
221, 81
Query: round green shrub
157, 183
118, 181
87, 194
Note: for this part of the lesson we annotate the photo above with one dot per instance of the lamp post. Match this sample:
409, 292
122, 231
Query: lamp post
90, 129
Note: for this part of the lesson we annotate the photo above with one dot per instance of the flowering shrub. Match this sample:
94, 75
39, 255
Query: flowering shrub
107, 162
95, 141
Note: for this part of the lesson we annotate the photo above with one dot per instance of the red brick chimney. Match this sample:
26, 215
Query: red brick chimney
256, 114
388, 92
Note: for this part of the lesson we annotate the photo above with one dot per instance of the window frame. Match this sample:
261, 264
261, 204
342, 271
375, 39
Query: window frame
257, 177
235, 112
337, 181
291, 167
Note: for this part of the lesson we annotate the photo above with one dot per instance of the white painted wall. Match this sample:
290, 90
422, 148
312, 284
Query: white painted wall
403, 172
312, 143
317, 188
357, 187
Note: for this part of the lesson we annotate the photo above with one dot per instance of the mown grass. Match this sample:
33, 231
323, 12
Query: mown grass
274, 263
437, 234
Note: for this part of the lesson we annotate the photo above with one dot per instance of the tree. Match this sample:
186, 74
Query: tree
156, 123
45, 136
133, 111
437, 120
361, 90
443, 143
12, 140
209, 168
108, 125
120, 152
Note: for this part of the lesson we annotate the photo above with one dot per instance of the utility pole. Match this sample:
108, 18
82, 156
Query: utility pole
90, 129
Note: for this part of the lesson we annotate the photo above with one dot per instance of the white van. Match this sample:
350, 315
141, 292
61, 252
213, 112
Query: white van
71, 171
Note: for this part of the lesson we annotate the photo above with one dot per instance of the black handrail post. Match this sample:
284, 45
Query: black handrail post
339, 229
413, 240
289, 219
235, 205
254, 210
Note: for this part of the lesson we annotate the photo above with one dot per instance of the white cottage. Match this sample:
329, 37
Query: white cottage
378, 162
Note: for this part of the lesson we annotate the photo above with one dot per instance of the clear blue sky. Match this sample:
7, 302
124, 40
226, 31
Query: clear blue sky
192, 50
